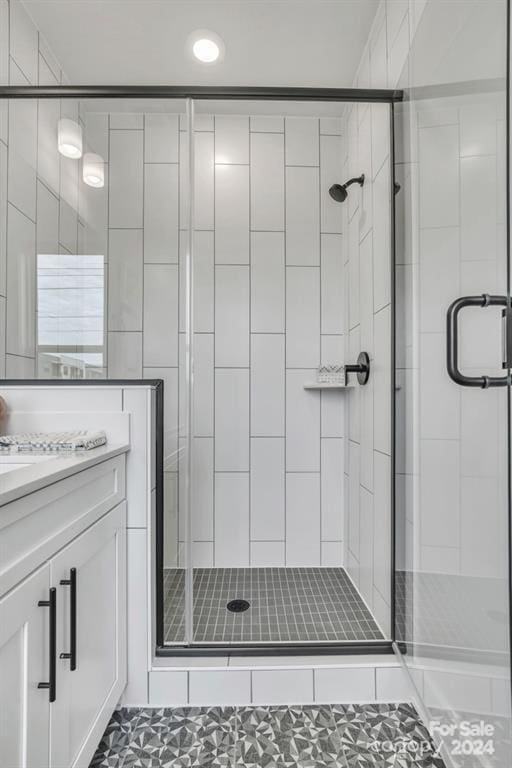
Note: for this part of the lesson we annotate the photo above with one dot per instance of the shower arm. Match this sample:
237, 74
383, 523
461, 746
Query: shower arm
356, 180
362, 368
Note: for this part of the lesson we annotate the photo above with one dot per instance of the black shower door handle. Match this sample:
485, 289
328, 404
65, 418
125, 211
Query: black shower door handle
452, 340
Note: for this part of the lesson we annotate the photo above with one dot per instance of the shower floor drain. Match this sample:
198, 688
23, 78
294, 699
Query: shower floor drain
238, 606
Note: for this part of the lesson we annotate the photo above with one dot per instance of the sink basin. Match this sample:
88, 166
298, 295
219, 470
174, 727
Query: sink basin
12, 461
10, 466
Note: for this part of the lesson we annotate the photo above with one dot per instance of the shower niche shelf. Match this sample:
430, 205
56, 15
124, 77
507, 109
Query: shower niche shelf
332, 387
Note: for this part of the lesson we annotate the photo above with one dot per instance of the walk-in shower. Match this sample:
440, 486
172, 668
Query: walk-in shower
216, 257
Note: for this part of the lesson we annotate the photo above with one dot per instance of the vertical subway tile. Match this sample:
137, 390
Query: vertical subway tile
331, 171
231, 519
267, 385
23, 41
126, 179
302, 423
231, 316
478, 222
353, 499
231, 420
302, 140
201, 508
47, 226
331, 554
267, 181
160, 315
267, 282
231, 214
302, 216
332, 489
382, 525
439, 155
267, 124
439, 492
268, 554
366, 274
161, 138
160, 213
381, 239
204, 183
267, 489
382, 380
302, 317
21, 284
203, 278
22, 151
125, 355
232, 139
302, 519
48, 158
129, 121
125, 280
203, 384
331, 276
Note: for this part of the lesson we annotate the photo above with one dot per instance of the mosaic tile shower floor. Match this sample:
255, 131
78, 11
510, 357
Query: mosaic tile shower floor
314, 736
287, 605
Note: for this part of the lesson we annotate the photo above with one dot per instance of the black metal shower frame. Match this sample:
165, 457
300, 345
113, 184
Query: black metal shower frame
236, 93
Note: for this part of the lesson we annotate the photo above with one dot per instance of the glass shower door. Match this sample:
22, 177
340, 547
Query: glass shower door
452, 392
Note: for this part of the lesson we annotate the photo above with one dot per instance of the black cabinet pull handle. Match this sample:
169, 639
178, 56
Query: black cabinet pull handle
51, 603
71, 583
452, 340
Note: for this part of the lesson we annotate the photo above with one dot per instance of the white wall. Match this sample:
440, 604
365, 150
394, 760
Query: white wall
268, 455
369, 318
451, 452
38, 187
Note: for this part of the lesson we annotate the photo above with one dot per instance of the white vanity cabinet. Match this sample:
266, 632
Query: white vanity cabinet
64, 624
94, 686
24, 709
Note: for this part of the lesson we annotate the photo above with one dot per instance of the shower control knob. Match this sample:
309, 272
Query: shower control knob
362, 368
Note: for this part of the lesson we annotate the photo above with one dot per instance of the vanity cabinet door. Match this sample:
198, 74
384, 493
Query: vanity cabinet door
87, 694
24, 663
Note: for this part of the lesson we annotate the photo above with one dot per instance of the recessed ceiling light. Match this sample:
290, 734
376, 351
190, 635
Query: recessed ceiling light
206, 46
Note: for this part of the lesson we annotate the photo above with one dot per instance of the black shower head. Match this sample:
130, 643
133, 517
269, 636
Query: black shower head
339, 192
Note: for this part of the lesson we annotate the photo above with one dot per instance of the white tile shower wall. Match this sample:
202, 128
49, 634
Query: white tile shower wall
367, 275
38, 188
445, 232
268, 277
274, 310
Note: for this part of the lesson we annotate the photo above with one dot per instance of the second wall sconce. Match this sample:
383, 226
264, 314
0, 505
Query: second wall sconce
69, 138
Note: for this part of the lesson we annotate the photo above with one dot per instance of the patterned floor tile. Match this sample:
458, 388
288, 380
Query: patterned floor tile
312, 736
182, 738
287, 736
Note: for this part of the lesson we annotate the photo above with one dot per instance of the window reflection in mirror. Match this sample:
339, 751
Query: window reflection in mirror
70, 316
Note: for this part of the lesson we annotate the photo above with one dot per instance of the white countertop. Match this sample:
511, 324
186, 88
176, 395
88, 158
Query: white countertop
45, 469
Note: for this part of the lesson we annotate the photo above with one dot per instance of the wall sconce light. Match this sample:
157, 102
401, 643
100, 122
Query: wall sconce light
69, 138
93, 170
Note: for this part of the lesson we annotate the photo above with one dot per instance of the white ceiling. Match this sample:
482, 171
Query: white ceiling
268, 42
